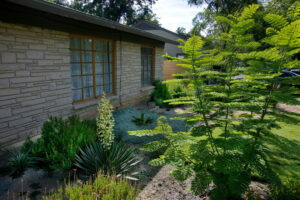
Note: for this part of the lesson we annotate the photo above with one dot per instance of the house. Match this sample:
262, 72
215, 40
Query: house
171, 48
56, 61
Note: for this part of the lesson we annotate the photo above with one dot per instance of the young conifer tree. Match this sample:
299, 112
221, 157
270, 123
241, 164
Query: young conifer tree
105, 123
232, 106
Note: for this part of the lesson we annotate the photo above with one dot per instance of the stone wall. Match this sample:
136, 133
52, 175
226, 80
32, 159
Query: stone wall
35, 80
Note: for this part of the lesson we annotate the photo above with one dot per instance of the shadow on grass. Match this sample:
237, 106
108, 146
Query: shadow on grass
284, 155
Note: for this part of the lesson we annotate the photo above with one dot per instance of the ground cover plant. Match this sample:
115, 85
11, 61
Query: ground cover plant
103, 187
234, 115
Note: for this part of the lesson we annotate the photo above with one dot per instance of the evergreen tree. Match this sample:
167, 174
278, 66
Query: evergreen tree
232, 115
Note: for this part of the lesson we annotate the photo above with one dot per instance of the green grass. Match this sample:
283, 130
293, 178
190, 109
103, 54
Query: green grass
283, 147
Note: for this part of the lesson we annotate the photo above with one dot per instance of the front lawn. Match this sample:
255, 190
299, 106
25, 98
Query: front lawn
284, 147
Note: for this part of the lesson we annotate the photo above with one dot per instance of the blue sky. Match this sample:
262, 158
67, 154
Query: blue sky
175, 13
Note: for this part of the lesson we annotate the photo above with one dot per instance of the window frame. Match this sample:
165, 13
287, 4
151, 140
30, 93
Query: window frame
94, 85
152, 64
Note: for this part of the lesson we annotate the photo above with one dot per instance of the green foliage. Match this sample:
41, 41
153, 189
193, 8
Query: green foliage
17, 163
60, 140
120, 11
160, 94
105, 123
103, 187
118, 160
290, 190
142, 120
232, 116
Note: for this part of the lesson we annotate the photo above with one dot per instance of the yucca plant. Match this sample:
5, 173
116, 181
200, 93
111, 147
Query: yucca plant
117, 160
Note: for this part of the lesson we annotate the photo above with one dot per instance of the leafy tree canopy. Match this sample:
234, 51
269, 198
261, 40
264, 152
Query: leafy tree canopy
123, 11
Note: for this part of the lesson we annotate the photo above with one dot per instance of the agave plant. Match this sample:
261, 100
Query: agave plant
142, 120
117, 160
18, 162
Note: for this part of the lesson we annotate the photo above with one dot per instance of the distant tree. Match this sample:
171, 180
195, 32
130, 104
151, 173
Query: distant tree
182, 32
145, 14
204, 22
59, 2
125, 11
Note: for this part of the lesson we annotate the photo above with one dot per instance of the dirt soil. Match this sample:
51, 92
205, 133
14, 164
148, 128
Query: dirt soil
164, 187
289, 108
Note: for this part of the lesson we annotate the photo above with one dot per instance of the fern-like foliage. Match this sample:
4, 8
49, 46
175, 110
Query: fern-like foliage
232, 106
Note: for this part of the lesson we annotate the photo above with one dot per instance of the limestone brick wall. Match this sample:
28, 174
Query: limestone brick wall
35, 80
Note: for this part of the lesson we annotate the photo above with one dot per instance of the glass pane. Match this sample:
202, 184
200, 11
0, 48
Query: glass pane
75, 56
99, 79
86, 56
99, 90
108, 89
77, 95
76, 82
87, 81
107, 79
99, 68
99, 57
98, 45
107, 57
101, 45
88, 93
149, 63
87, 68
107, 68
74, 43
86, 44
75, 69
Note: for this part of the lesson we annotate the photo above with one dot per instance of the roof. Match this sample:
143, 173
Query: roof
62, 11
158, 30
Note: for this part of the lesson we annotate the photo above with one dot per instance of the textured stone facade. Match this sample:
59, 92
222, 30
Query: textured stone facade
35, 80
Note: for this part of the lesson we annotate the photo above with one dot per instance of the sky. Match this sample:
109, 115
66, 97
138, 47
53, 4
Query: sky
175, 13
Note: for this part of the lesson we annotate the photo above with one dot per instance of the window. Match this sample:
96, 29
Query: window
147, 59
91, 67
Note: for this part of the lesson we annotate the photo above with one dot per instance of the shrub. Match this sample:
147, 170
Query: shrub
142, 120
117, 160
160, 93
60, 140
105, 123
103, 187
177, 88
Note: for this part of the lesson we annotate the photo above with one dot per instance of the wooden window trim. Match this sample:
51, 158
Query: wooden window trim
152, 63
113, 63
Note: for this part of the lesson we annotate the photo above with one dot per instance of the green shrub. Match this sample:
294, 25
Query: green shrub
160, 93
60, 140
117, 159
103, 187
142, 120
177, 88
